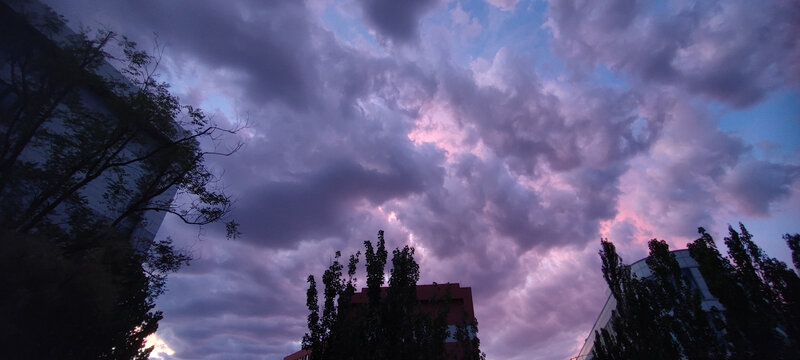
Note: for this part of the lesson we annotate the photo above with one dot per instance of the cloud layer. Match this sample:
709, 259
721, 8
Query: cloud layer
730, 51
502, 175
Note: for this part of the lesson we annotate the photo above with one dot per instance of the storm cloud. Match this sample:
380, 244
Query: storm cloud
396, 20
731, 51
503, 161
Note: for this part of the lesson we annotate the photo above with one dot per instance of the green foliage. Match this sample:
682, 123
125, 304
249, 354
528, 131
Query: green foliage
470, 343
661, 316
390, 323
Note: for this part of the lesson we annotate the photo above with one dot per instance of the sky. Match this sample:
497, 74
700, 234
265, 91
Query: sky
500, 138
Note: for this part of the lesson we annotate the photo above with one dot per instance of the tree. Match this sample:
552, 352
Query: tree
794, 243
680, 305
786, 287
87, 305
661, 316
636, 327
139, 143
86, 152
657, 317
390, 325
759, 295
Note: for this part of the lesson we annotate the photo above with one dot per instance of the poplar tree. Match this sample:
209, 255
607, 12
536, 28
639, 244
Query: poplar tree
391, 324
794, 243
758, 295
661, 316
658, 317
680, 306
637, 325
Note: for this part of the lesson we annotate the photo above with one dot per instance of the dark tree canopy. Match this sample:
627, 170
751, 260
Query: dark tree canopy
80, 138
661, 316
86, 152
390, 325
759, 295
86, 305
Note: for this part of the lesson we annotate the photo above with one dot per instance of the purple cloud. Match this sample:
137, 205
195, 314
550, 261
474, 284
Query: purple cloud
396, 20
504, 179
731, 51
754, 185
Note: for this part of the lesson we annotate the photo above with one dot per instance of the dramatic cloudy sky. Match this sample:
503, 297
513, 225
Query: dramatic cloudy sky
501, 138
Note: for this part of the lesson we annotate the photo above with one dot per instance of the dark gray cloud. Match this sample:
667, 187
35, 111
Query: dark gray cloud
396, 20
238, 300
622, 232
732, 51
264, 48
754, 185
318, 203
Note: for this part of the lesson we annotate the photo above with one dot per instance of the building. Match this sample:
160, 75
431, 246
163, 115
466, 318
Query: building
690, 271
31, 37
460, 311
300, 355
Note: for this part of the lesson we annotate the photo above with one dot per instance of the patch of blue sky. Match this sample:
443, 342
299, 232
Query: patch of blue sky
660, 7
212, 102
347, 29
215, 103
464, 49
603, 76
477, 8
774, 120
520, 30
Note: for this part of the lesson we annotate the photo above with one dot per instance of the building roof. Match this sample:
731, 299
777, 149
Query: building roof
299, 355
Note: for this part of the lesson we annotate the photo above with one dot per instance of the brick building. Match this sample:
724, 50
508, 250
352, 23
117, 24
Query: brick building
460, 312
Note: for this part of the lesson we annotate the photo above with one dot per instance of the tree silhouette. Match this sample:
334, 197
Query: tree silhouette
390, 324
637, 326
86, 152
70, 129
758, 295
661, 316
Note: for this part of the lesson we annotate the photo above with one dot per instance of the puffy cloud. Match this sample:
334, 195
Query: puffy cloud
264, 50
674, 187
732, 51
316, 204
470, 25
697, 175
502, 178
531, 125
754, 185
506, 5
